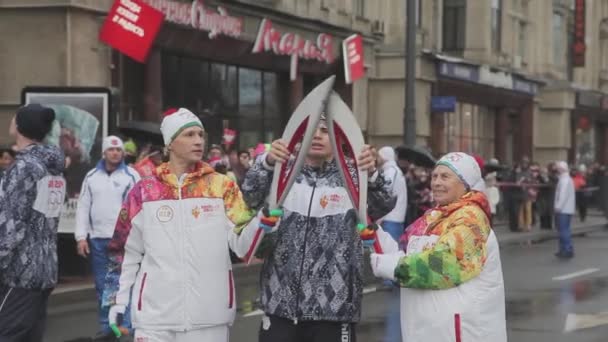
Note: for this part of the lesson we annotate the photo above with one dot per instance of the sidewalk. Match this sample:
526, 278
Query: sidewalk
595, 221
68, 296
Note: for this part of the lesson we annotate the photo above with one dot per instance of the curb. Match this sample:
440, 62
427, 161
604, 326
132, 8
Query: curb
69, 295
541, 236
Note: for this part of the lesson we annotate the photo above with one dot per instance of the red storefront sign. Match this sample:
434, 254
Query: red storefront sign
352, 49
197, 16
291, 44
578, 45
131, 27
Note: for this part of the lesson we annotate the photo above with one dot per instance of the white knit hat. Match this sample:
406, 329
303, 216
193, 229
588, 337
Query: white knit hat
175, 121
111, 141
465, 167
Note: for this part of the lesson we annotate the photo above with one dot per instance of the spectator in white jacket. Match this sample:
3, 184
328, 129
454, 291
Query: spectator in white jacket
492, 193
565, 203
394, 222
103, 191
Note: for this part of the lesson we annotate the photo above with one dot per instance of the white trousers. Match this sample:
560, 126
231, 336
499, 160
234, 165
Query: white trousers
211, 334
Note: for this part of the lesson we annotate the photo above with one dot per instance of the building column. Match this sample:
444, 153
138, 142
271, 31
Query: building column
526, 119
296, 92
153, 94
572, 150
603, 157
501, 130
438, 134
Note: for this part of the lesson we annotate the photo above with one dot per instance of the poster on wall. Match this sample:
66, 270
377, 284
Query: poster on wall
81, 123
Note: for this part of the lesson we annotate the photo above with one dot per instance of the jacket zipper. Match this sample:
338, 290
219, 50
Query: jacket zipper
312, 196
180, 182
141, 291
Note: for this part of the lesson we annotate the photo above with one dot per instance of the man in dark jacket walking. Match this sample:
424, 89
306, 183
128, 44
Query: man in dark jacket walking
312, 278
31, 198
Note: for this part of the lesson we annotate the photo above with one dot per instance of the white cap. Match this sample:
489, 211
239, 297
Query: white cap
111, 141
562, 166
466, 168
175, 121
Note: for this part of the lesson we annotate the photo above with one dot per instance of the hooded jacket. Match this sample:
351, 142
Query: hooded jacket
169, 256
451, 275
393, 173
31, 199
314, 271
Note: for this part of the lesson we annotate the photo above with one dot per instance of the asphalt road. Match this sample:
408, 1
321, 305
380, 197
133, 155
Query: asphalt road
543, 293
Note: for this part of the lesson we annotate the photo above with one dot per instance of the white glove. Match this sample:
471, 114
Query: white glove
115, 310
384, 265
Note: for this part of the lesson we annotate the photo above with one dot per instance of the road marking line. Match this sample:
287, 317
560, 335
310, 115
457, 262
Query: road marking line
370, 289
72, 288
585, 321
576, 274
254, 313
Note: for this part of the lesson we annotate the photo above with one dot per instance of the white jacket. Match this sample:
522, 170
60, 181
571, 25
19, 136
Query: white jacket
169, 256
565, 195
394, 174
100, 199
479, 304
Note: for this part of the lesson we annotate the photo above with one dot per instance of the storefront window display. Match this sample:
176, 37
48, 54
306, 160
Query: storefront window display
585, 142
226, 96
470, 128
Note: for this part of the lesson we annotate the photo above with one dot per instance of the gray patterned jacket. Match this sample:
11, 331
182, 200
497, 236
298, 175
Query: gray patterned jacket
31, 197
314, 268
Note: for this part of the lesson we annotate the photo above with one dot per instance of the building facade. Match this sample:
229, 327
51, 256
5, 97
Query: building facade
231, 62
522, 83
222, 59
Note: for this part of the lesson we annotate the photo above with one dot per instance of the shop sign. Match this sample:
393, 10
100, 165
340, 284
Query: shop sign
131, 27
578, 43
291, 44
352, 49
196, 15
498, 79
459, 71
443, 104
524, 86
589, 99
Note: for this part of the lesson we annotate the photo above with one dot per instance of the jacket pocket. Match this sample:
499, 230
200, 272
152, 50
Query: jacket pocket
230, 290
141, 291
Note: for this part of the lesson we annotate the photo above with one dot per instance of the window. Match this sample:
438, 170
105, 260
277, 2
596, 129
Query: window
496, 24
359, 8
521, 39
418, 13
559, 38
454, 17
470, 129
226, 96
250, 92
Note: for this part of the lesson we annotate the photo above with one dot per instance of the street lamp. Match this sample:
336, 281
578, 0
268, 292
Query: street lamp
409, 112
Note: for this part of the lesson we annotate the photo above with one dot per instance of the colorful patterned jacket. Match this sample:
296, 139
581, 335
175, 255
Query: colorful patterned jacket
451, 276
314, 270
171, 245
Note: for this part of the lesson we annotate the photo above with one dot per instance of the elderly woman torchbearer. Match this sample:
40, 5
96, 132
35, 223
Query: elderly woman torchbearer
448, 262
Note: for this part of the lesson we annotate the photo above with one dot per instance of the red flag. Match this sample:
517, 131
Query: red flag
131, 27
354, 68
